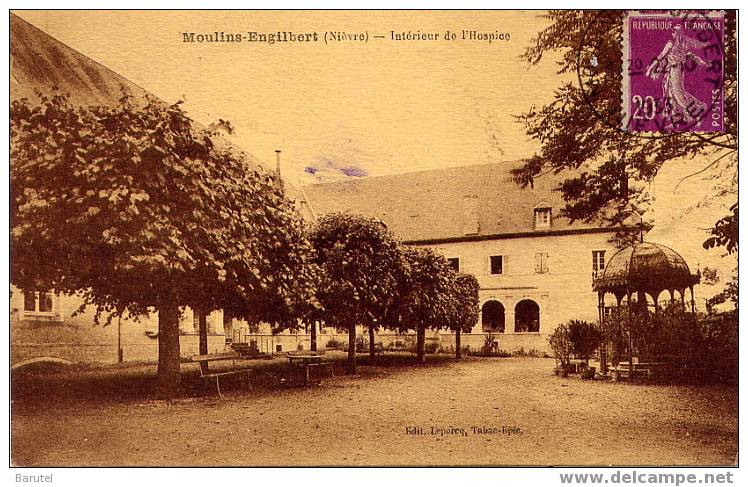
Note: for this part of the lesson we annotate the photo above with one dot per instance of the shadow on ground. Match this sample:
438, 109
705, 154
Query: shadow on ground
57, 383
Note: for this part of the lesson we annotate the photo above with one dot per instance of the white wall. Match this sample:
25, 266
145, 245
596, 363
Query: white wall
563, 293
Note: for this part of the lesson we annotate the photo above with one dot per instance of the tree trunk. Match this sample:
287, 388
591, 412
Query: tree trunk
313, 337
352, 349
458, 351
421, 344
228, 329
371, 341
168, 351
202, 330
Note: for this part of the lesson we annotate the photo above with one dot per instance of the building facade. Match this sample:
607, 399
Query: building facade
534, 266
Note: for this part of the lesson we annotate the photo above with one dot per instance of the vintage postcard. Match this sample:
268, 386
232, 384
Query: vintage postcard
373, 238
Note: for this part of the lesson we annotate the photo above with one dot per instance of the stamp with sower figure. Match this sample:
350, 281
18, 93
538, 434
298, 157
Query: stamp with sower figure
673, 72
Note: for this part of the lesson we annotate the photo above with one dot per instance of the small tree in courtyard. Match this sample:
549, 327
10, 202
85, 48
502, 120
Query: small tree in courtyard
428, 302
361, 268
585, 338
465, 307
561, 346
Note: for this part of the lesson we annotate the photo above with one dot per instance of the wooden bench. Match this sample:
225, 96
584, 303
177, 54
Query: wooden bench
214, 357
644, 369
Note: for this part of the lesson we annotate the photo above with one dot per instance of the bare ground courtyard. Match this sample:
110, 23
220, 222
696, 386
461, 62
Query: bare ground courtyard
102, 417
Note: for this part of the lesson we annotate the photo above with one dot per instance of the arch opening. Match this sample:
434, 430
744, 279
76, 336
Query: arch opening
493, 317
527, 316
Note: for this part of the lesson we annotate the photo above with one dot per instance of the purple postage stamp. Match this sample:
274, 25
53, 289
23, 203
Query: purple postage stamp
673, 71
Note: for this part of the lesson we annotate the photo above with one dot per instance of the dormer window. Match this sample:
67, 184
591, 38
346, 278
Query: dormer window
542, 217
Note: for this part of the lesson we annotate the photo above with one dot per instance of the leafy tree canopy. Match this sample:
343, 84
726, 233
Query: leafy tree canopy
465, 302
361, 269
431, 291
136, 207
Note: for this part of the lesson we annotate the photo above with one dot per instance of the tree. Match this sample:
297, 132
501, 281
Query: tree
428, 302
562, 347
580, 125
730, 294
585, 338
361, 267
725, 232
135, 208
465, 307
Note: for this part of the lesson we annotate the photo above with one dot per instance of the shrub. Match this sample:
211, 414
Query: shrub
704, 347
483, 352
718, 353
362, 343
334, 344
519, 353
561, 345
430, 347
490, 345
532, 353
585, 338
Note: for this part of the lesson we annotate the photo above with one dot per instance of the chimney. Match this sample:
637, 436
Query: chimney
470, 225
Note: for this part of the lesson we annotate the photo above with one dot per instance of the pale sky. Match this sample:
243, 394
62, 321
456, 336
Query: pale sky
384, 106
378, 108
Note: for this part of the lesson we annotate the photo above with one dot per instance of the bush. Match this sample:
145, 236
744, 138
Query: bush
532, 353
334, 344
430, 347
519, 353
486, 353
585, 338
490, 345
561, 345
718, 353
703, 347
362, 343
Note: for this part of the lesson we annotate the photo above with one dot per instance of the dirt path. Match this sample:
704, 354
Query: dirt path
546, 420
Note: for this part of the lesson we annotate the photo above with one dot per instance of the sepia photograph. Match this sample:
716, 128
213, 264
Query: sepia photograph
373, 238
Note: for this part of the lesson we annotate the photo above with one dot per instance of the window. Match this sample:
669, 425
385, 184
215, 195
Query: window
598, 260
541, 263
454, 263
542, 217
38, 302
497, 264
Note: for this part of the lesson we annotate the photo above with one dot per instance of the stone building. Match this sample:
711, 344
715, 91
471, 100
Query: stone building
534, 266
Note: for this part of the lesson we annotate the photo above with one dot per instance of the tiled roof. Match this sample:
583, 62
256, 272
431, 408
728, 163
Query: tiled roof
39, 61
433, 205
